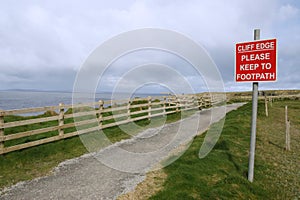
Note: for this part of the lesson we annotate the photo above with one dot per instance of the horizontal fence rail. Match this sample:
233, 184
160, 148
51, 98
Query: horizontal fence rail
64, 121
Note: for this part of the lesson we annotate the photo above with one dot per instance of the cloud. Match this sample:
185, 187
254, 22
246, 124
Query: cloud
287, 12
37, 38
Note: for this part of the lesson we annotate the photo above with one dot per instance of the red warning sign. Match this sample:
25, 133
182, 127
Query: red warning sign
256, 61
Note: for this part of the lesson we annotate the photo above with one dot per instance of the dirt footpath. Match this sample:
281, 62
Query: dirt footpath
118, 168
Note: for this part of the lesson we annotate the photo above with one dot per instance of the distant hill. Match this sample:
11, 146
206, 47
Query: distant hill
35, 90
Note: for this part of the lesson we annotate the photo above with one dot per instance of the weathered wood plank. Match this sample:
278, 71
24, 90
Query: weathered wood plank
29, 121
115, 109
68, 125
30, 110
80, 132
170, 112
114, 116
29, 133
85, 122
31, 144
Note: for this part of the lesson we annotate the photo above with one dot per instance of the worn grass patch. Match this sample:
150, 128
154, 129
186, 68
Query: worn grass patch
152, 184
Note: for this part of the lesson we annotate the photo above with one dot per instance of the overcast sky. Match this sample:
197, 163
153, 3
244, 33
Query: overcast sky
44, 43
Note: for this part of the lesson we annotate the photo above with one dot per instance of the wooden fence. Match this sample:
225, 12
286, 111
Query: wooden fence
64, 121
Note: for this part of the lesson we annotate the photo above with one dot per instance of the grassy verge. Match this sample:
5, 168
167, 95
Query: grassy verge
283, 173
38, 161
223, 173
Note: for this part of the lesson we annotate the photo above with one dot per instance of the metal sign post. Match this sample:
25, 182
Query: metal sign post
253, 121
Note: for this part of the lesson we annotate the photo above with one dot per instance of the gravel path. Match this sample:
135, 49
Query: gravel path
118, 168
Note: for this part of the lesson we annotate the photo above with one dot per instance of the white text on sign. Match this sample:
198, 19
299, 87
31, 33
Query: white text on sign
259, 46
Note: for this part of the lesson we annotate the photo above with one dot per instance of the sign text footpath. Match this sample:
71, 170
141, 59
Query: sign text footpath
256, 61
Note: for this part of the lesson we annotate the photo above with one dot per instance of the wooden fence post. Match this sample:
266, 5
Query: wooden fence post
200, 103
193, 101
177, 104
149, 107
164, 105
288, 125
61, 120
128, 109
1, 132
100, 116
287, 130
266, 106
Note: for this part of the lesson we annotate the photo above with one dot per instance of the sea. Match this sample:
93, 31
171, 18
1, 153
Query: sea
10, 100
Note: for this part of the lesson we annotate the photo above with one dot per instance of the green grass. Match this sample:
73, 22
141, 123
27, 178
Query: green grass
38, 161
223, 173
282, 175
